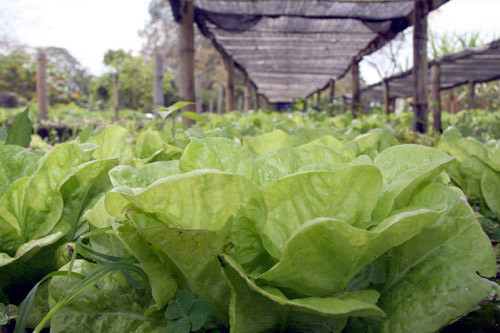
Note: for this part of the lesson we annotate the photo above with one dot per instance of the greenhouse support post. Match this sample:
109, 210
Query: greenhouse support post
472, 95
387, 98
355, 88
158, 99
436, 98
220, 97
186, 53
421, 104
116, 95
331, 97
248, 94
229, 84
41, 86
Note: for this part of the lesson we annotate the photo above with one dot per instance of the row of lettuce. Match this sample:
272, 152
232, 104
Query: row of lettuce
275, 222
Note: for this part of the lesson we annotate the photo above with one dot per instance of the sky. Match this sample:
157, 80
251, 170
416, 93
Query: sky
88, 28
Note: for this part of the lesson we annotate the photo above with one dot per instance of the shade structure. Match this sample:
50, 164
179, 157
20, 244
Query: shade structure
292, 48
473, 65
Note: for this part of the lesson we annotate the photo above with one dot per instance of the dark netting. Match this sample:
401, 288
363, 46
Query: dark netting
477, 65
292, 48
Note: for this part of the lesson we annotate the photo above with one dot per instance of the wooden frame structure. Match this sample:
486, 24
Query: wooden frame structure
467, 67
293, 48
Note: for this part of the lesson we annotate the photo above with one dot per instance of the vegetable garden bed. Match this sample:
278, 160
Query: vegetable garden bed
254, 223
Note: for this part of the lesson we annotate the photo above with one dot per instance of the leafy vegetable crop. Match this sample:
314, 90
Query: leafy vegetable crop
291, 228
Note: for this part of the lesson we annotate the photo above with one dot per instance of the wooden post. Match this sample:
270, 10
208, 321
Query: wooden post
255, 96
392, 103
421, 104
436, 98
248, 95
199, 96
220, 96
356, 97
331, 97
116, 95
158, 99
257, 100
229, 84
41, 86
240, 103
343, 106
211, 105
318, 99
385, 90
186, 53
472, 95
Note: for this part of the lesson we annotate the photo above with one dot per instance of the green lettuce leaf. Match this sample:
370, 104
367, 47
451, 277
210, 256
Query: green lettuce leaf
406, 169
112, 305
349, 195
15, 162
262, 309
432, 279
191, 218
323, 255
490, 187
112, 142
218, 153
125, 175
275, 164
264, 143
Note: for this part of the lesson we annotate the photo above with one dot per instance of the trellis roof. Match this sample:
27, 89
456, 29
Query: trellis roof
291, 48
477, 65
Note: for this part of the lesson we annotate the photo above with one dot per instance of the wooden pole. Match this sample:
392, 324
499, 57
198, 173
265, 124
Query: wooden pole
248, 95
472, 95
331, 96
343, 106
240, 103
158, 99
211, 105
116, 95
318, 99
41, 86
220, 101
229, 84
436, 98
255, 96
199, 96
356, 97
387, 102
392, 103
421, 103
186, 53
257, 100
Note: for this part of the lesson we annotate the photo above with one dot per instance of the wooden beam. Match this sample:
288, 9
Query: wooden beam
186, 53
158, 99
229, 84
255, 96
421, 104
198, 94
331, 86
436, 98
472, 95
386, 96
220, 99
116, 95
248, 94
356, 96
41, 86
